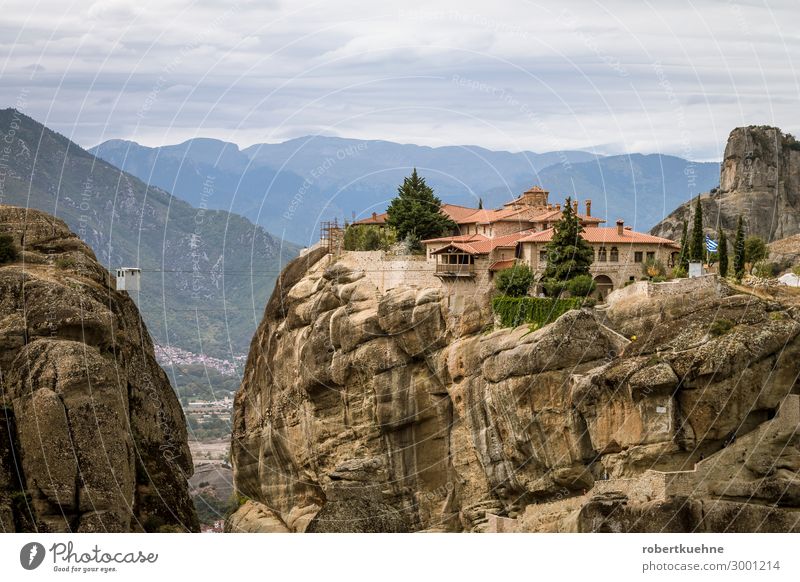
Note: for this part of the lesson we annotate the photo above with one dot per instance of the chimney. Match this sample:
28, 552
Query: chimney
588, 208
374, 216
620, 226
558, 207
575, 206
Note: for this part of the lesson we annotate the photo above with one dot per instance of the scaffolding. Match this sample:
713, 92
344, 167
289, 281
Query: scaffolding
331, 235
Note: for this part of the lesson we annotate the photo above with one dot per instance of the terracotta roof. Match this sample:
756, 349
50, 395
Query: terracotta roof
477, 244
605, 234
500, 265
374, 219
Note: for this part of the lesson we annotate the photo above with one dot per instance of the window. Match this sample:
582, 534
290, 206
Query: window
637, 257
651, 256
543, 256
601, 255
614, 255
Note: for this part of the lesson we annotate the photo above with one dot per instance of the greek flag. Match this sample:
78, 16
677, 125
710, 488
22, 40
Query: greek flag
711, 245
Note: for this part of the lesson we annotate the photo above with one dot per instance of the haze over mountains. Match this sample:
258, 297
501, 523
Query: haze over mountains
290, 187
206, 273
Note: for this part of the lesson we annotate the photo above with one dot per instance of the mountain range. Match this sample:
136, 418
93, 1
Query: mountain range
290, 187
206, 273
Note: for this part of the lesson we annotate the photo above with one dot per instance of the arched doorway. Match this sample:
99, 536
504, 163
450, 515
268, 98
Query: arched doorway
603, 286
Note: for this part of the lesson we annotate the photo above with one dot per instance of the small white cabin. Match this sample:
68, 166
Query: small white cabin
128, 279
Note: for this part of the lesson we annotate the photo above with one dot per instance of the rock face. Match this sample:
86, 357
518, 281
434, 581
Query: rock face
92, 437
362, 411
759, 179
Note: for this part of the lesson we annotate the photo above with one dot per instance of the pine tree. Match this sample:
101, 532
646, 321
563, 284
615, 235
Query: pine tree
568, 255
722, 251
738, 250
683, 257
697, 249
480, 203
416, 211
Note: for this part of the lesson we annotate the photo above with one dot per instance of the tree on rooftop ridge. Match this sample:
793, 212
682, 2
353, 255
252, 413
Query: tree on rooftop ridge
568, 254
416, 211
698, 246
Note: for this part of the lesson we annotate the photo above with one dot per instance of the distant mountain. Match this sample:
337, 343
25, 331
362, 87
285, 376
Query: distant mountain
206, 273
291, 186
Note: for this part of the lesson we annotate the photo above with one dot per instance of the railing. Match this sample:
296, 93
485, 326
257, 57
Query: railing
455, 270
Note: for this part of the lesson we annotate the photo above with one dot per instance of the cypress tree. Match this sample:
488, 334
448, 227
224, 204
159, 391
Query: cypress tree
416, 211
683, 257
722, 251
697, 249
738, 250
568, 255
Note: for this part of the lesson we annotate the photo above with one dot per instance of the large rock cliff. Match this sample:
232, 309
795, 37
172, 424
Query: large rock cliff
759, 179
362, 411
92, 437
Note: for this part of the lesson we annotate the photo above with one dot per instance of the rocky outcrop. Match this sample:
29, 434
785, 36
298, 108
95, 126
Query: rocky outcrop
759, 180
92, 437
390, 412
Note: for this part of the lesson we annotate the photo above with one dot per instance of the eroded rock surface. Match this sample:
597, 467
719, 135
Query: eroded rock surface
354, 399
92, 437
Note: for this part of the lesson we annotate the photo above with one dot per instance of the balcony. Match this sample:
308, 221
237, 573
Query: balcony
465, 270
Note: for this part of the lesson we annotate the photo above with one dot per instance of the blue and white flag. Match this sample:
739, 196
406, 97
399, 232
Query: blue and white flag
711, 245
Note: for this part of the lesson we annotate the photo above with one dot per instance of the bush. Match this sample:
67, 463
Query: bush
796, 270
678, 272
367, 237
553, 287
766, 269
514, 311
8, 252
581, 286
654, 268
515, 281
720, 327
755, 249
413, 245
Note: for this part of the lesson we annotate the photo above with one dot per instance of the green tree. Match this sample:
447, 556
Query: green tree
514, 281
755, 249
581, 286
722, 251
568, 255
683, 257
367, 237
697, 249
738, 250
417, 211
480, 203
8, 252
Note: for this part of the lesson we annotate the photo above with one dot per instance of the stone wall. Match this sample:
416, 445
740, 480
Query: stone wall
708, 285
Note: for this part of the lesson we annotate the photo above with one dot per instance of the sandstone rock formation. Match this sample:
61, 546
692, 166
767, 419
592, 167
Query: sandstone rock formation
759, 179
357, 406
92, 437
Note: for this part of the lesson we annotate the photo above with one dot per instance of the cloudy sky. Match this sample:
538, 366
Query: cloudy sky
613, 76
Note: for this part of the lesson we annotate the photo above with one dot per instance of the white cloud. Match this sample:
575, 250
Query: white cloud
671, 77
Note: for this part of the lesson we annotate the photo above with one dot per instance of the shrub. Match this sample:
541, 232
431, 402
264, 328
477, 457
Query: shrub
366, 237
796, 270
553, 287
8, 252
413, 245
755, 249
515, 281
581, 286
654, 268
514, 311
766, 269
720, 327
678, 272
658, 279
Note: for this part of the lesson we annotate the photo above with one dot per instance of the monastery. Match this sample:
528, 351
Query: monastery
488, 241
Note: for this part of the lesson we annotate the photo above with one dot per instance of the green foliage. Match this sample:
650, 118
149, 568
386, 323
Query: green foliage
697, 248
417, 211
739, 250
515, 281
766, 269
8, 252
568, 255
796, 270
413, 244
755, 249
722, 251
679, 272
653, 268
211, 508
368, 237
683, 257
720, 327
514, 311
581, 286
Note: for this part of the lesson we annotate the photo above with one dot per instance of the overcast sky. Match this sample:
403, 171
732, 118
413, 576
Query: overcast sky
616, 76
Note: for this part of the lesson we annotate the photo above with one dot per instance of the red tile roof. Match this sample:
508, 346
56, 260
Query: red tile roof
500, 265
374, 219
478, 244
605, 234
